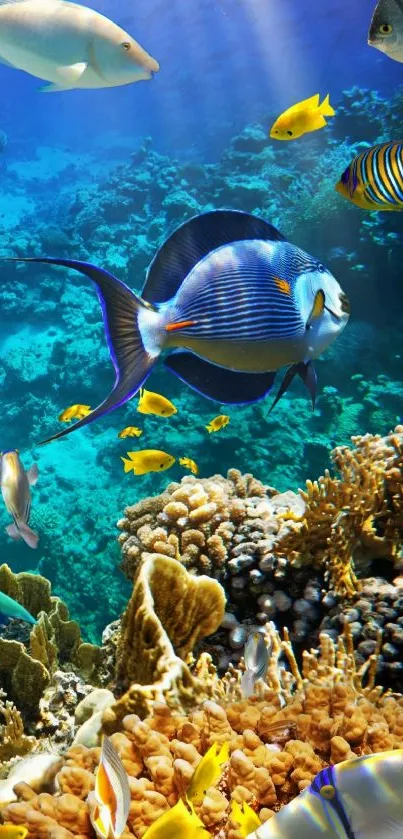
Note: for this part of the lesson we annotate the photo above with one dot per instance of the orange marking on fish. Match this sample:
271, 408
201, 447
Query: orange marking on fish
104, 789
282, 285
182, 324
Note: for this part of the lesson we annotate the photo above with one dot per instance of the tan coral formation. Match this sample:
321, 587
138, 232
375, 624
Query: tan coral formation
54, 641
169, 611
353, 518
335, 524
332, 711
194, 521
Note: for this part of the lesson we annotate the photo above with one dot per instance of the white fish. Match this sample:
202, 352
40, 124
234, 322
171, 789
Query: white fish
16, 491
110, 802
357, 799
70, 46
256, 661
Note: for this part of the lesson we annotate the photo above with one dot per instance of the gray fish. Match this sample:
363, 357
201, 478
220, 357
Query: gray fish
9, 608
386, 29
256, 661
16, 491
227, 302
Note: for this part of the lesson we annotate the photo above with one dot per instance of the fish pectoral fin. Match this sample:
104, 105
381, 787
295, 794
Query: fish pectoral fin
229, 387
318, 306
308, 375
33, 475
71, 73
13, 531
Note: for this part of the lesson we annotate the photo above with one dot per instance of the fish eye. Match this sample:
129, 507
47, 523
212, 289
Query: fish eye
290, 133
126, 45
327, 791
321, 268
386, 28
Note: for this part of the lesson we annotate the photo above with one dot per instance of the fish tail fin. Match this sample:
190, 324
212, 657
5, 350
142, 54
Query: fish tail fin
326, 108
128, 464
120, 311
29, 536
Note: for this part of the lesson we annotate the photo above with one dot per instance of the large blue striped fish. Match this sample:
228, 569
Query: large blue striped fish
374, 179
360, 798
228, 301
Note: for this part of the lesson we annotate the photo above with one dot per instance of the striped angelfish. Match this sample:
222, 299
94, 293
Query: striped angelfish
16, 491
357, 799
374, 179
227, 301
109, 802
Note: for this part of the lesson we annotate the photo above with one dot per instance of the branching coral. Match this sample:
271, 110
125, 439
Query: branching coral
332, 711
169, 611
54, 641
13, 740
356, 517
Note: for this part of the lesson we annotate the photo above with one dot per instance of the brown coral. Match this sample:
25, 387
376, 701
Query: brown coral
169, 611
332, 709
54, 640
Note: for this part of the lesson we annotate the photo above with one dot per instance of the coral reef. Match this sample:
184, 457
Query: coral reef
168, 613
27, 667
327, 712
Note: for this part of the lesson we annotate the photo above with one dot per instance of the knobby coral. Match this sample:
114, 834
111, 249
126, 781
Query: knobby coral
331, 712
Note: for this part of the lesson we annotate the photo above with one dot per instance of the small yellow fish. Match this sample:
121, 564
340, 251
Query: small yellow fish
188, 463
217, 423
13, 831
130, 431
177, 823
154, 403
207, 772
302, 118
75, 412
147, 460
247, 819
109, 803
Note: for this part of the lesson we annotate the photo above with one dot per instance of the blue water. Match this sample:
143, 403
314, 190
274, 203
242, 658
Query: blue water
71, 187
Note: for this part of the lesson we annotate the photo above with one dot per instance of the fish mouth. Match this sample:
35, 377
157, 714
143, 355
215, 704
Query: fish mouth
344, 306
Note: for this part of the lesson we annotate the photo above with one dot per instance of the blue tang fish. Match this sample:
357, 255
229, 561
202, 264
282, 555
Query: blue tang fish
9, 608
359, 798
228, 302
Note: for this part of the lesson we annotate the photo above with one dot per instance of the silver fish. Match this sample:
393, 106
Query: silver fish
256, 660
70, 46
386, 29
9, 608
227, 302
357, 799
16, 491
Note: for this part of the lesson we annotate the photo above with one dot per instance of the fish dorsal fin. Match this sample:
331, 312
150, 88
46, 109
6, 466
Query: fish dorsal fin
312, 102
194, 240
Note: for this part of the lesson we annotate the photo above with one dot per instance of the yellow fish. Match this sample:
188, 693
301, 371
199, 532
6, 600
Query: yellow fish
147, 460
75, 412
130, 431
188, 463
247, 819
208, 772
109, 803
177, 823
154, 403
302, 118
218, 422
13, 831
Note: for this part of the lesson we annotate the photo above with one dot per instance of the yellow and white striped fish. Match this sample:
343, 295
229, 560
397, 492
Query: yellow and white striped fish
360, 798
374, 179
16, 491
109, 803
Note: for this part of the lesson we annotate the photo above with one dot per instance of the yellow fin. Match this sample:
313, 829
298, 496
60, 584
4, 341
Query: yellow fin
128, 464
247, 819
318, 306
326, 108
207, 772
311, 103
